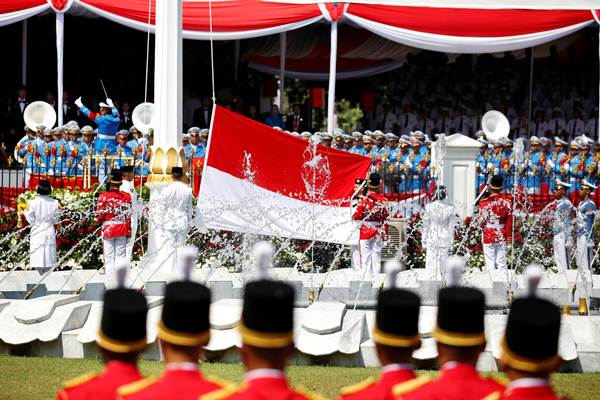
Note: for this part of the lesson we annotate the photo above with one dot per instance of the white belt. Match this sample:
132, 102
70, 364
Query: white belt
372, 223
495, 226
114, 222
105, 137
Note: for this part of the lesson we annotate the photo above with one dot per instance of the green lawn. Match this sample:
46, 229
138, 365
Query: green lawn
39, 378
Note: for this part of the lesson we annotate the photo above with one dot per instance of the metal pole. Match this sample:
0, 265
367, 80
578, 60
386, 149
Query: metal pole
529, 116
332, 72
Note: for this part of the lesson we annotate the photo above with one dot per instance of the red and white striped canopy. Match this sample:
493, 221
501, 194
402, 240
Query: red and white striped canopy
453, 26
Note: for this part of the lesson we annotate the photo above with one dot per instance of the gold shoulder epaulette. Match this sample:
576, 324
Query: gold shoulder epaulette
221, 382
135, 387
500, 379
409, 386
492, 396
80, 380
308, 394
356, 387
220, 394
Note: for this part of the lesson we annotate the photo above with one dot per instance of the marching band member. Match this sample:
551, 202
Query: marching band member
42, 213
481, 164
561, 227
113, 211
495, 216
535, 166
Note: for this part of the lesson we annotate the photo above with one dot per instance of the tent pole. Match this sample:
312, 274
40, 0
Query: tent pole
332, 71
529, 116
60, 44
24, 54
282, 49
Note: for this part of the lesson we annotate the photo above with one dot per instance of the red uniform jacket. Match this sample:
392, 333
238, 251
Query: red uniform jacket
175, 384
527, 393
373, 213
381, 389
495, 217
101, 387
113, 210
267, 388
459, 382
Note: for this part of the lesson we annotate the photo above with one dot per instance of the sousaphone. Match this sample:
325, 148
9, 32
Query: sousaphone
36, 114
495, 125
143, 117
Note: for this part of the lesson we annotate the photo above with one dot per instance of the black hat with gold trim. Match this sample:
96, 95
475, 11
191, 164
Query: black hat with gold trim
184, 319
116, 177
496, 182
268, 311
460, 310
374, 180
530, 342
123, 324
185, 314
390, 330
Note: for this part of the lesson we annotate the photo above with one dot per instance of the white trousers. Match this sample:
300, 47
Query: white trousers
583, 253
114, 252
435, 260
494, 255
370, 254
131, 242
355, 254
559, 243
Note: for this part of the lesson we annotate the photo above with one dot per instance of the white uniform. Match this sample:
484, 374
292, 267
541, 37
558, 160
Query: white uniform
42, 214
562, 233
176, 219
128, 187
437, 235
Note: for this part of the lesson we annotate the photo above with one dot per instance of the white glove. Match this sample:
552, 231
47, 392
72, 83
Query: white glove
78, 102
110, 103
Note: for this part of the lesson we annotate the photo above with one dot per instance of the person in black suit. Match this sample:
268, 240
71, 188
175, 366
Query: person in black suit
296, 122
16, 109
126, 122
203, 114
69, 110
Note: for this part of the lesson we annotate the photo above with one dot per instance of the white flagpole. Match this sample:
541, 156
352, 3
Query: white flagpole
60, 42
332, 72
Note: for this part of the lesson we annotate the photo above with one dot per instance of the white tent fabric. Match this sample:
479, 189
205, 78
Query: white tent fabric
20, 15
463, 44
482, 4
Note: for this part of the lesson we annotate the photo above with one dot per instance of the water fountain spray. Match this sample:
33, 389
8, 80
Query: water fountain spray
262, 253
391, 268
188, 260
533, 276
455, 268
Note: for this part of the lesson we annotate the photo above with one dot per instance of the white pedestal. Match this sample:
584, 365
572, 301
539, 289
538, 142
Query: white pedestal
459, 172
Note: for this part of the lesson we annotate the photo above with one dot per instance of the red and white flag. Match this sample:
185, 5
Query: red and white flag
259, 180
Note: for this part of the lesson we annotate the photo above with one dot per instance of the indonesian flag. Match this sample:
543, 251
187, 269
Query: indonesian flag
260, 180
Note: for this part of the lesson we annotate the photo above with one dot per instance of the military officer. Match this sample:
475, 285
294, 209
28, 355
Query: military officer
535, 166
113, 210
372, 213
561, 225
530, 349
267, 332
460, 337
121, 338
557, 160
357, 140
495, 217
395, 340
575, 166
586, 211
389, 162
183, 330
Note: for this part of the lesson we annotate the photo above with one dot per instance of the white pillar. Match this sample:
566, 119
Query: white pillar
24, 53
60, 42
282, 48
332, 72
168, 74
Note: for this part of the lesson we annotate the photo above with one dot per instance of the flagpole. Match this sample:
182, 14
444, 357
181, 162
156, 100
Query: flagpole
332, 72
